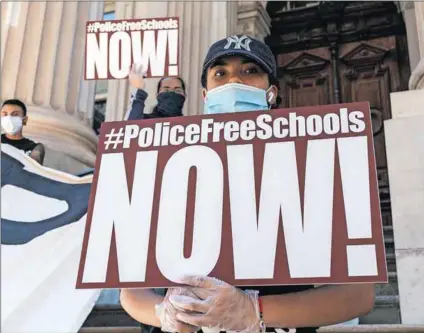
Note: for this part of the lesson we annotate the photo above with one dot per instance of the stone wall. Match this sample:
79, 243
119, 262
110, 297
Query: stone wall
405, 157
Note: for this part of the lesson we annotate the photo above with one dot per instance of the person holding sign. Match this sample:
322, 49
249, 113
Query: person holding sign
171, 96
240, 74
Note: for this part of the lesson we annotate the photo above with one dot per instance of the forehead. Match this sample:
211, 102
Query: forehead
171, 82
9, 108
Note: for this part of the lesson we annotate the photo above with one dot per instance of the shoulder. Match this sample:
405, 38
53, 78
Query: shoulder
31, 144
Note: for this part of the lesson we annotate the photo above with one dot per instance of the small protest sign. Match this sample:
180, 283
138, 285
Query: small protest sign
112, 46
279, 197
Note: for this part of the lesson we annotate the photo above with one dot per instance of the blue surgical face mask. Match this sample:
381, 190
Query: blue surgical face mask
235, 97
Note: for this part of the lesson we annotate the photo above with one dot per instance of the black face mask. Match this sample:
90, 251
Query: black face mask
170, 104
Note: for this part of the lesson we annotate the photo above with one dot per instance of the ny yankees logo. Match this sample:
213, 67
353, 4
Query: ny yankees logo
242, 42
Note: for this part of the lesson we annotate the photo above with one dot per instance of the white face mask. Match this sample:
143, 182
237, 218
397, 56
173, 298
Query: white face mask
11, 124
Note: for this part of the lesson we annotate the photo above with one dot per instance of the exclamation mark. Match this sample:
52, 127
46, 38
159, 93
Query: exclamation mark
173, 52
353, 156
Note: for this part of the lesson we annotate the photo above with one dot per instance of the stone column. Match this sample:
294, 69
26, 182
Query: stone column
417, 76
419, 16
408, 12
253, 19
405, 157
43, 45
201, 24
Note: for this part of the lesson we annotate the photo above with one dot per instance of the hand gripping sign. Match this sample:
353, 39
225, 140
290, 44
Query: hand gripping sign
112, 46
286, 196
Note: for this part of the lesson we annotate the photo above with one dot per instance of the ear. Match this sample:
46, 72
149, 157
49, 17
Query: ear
24, 120
272, 95
204, 93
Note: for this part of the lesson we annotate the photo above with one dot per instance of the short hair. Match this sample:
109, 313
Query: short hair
16, 102
170, 77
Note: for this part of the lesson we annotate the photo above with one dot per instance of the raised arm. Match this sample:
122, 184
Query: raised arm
136, 79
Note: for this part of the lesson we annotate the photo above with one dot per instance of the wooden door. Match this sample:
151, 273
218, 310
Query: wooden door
353, 72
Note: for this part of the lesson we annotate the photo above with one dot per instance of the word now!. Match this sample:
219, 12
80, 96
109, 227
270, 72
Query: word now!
110, 55
254, 229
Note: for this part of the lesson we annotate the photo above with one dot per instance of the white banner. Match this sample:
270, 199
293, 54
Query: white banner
42, 223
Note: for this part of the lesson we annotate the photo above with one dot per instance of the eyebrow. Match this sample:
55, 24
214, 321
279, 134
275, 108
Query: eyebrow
221, 62
168, 86
11, 111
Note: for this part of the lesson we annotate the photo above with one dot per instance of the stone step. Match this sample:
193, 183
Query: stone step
388, 234
387, 301
392, 276
387, 227
387, 289
389, 241
386, 311
391, 261
331, 329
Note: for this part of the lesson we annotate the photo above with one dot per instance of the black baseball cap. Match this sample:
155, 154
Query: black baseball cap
242, 45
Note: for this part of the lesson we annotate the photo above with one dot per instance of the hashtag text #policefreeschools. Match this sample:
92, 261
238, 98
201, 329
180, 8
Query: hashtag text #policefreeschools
263, 127
113, 26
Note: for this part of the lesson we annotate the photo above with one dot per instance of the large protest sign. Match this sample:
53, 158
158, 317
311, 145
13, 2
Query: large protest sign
42, 225
285, 196
112, 46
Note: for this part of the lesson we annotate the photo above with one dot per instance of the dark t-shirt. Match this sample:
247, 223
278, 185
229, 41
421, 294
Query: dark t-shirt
263, 291
24, 144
